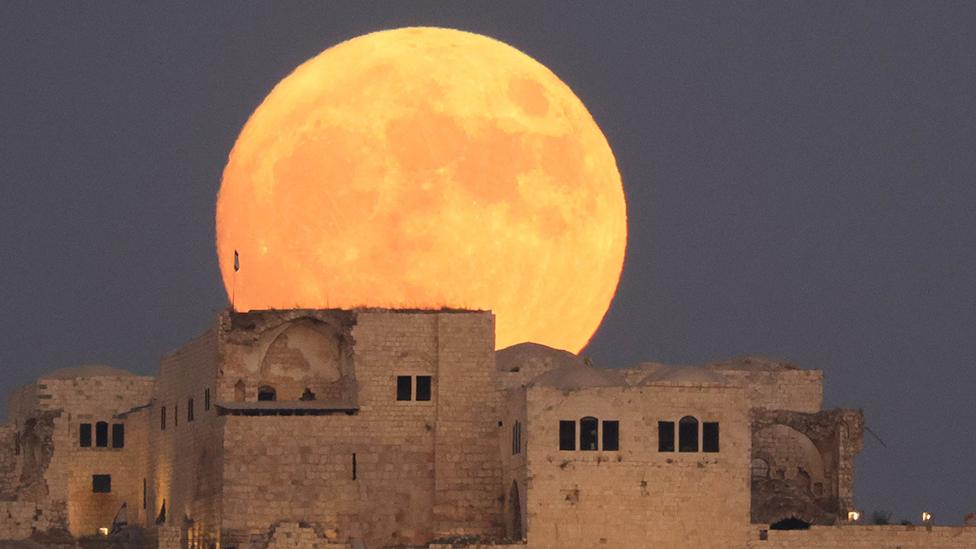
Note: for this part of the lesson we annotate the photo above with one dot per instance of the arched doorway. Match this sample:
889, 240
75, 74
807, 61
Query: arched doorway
515, 508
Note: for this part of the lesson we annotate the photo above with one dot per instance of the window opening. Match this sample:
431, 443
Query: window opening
118, 435
101, 434
611, 436
760, 469
162, 418
354, 465
588, 433
567, 435
85, 435
102, 484
206, 400
423, 388
240, 391
266, 393
688, 434
307, 394
791, 523
143, 493
176, 415
710, 436
665, 436
189, 409
403, 388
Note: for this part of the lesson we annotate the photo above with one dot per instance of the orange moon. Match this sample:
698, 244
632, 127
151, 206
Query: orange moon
426, 168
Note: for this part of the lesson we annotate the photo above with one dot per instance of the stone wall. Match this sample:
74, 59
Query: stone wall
186, 458
637, 496
22, 519
301, 467
775, 385
867, 537
69, 475
9, 450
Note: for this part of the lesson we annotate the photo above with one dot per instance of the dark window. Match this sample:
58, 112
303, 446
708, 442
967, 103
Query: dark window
513, 440
709, 436
143, 493
516, 438
423, 387
206, 399
84, 435
611, 436
118, 435
567, 435
790, 523
162, 418
101, 484
189, 409
688, 434
101, 434
354, 466
266, 392
176, 415
588, 433
404, 389
665, 436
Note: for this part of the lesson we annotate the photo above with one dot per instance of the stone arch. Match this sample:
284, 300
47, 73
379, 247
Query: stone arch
305, 355
792, 456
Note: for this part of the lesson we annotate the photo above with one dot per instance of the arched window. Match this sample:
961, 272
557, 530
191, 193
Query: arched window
688, 434
760, 469
101, 434
588, 433
266, 392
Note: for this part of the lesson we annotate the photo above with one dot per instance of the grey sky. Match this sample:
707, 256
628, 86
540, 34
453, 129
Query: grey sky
799, 180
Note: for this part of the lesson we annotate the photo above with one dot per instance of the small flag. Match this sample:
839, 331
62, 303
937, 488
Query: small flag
237, 261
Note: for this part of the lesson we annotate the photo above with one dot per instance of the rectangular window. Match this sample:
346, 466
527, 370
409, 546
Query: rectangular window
710, 436
567, 435
143, 493
665, 436
85, 435
162, 418
101, 434
206, 399
611, 436
189, 409
176, 415
423, 387
102, 484
403, 389
354, 465
518, 437
118, 435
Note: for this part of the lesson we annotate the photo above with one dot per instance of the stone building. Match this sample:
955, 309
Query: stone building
382, 428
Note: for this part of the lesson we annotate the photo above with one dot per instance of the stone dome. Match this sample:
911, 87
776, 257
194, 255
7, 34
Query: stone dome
574, 377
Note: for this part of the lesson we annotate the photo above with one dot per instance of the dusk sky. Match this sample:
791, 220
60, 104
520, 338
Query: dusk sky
799, 182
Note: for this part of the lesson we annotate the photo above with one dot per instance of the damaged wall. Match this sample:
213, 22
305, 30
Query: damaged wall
803, 464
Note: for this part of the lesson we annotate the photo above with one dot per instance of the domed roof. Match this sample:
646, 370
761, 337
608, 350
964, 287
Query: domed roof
530, 354
574, 377
683, 375
87, 370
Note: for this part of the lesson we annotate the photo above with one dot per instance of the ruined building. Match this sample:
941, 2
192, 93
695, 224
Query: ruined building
378, 428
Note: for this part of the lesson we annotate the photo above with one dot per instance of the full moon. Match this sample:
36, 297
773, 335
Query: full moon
426, 168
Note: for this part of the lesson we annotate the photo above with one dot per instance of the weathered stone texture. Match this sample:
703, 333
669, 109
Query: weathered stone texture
637, 496
867, 537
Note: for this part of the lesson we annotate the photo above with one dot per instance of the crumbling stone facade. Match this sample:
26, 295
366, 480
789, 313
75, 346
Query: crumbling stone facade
391, 428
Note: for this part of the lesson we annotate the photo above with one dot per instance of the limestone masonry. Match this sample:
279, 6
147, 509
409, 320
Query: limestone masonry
395, 428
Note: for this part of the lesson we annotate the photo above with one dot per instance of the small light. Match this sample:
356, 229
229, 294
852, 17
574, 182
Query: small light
103, 531
853, 516
926, 517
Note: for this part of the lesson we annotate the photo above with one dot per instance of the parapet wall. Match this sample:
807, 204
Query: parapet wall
869, 537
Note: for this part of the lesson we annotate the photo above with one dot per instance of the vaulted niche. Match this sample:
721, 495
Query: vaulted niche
305, 361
